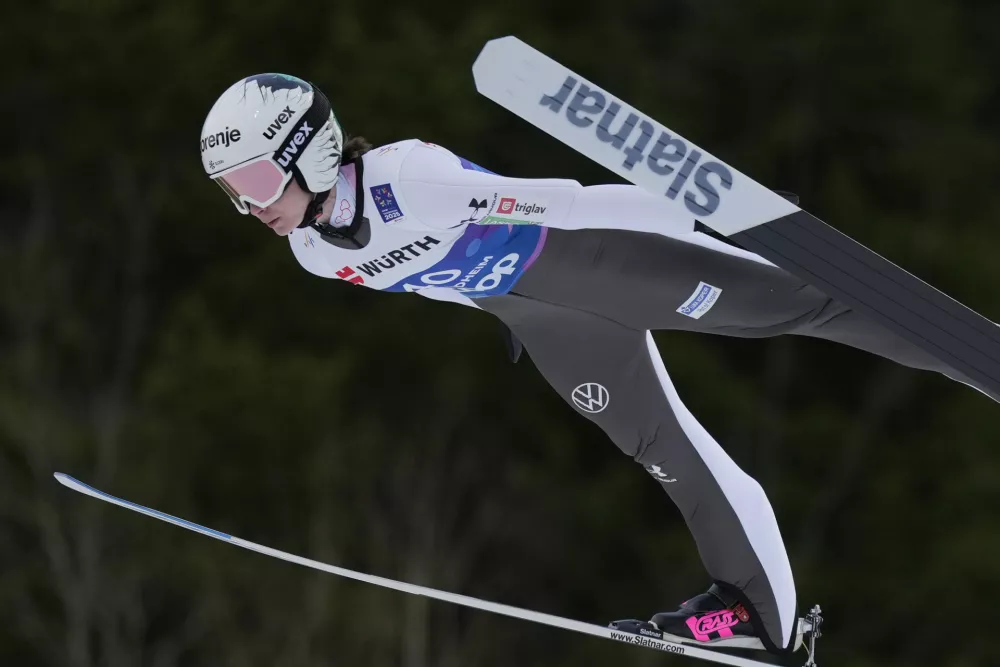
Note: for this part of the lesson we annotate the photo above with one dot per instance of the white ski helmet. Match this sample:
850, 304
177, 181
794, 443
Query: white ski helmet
265, 130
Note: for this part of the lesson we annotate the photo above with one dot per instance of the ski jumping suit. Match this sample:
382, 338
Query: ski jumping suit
581, 275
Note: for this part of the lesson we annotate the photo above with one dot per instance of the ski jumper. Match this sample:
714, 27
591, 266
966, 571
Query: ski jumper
581, 275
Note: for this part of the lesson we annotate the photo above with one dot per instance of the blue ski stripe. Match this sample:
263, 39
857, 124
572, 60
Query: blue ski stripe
146, 510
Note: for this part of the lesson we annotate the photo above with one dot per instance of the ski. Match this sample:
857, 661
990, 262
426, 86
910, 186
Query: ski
646, 638
699, 186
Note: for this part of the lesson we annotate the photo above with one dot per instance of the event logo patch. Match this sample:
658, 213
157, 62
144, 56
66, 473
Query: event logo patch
385, 202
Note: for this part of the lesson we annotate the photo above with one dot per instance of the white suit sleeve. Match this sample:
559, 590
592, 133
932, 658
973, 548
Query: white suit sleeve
441, 194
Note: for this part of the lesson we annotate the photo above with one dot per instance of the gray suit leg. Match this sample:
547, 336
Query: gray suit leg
612, 375
641, 280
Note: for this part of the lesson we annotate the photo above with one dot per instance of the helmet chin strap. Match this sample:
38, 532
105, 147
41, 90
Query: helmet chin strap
314, 209
347, 233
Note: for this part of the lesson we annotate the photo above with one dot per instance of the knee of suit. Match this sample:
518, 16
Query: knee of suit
634, 441
651, 452
654, 460
647, 438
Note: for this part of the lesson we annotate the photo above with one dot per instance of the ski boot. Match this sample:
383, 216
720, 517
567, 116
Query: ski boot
712, 619
717, 620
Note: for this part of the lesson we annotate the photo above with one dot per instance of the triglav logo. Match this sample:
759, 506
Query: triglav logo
223, 138
668, 154
279, 122
509, 205
292, 148
591, 397
512, 212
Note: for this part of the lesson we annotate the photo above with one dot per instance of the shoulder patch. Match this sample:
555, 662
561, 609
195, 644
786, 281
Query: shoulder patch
385, 202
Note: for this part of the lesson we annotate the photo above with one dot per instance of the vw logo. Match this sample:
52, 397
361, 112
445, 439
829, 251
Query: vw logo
591, 397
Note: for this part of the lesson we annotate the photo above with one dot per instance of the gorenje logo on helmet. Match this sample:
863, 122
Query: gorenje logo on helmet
279, 122
299, 138
223, 138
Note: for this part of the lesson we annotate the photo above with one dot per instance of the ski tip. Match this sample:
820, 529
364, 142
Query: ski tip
70, 482
494, 60
500, 42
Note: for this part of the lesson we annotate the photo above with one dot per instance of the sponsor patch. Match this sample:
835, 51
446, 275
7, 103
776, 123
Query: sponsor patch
483, 261
480, 208
223, 138
704, 297
639, 640
716, 622
385, 202
394, 258
591, 397
513, 211
660, 474
350, 275
279, 122
293, 142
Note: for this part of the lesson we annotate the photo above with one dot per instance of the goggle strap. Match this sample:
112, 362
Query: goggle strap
232, 195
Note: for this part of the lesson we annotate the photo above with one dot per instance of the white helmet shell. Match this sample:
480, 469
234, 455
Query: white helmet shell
277, 115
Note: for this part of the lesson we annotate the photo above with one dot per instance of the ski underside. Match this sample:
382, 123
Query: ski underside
808, 628
718, 198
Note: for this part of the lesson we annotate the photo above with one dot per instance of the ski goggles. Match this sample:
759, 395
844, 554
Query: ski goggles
260, 181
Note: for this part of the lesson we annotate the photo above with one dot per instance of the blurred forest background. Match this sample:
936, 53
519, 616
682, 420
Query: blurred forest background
161, 347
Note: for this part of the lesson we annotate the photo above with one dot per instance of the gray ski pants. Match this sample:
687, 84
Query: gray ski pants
584, 311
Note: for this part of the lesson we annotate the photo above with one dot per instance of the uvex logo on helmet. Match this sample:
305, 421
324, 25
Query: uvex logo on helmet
223, 138
293, 144
279, 122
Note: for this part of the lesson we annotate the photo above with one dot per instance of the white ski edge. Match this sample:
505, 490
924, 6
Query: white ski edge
463, 600
693, 183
